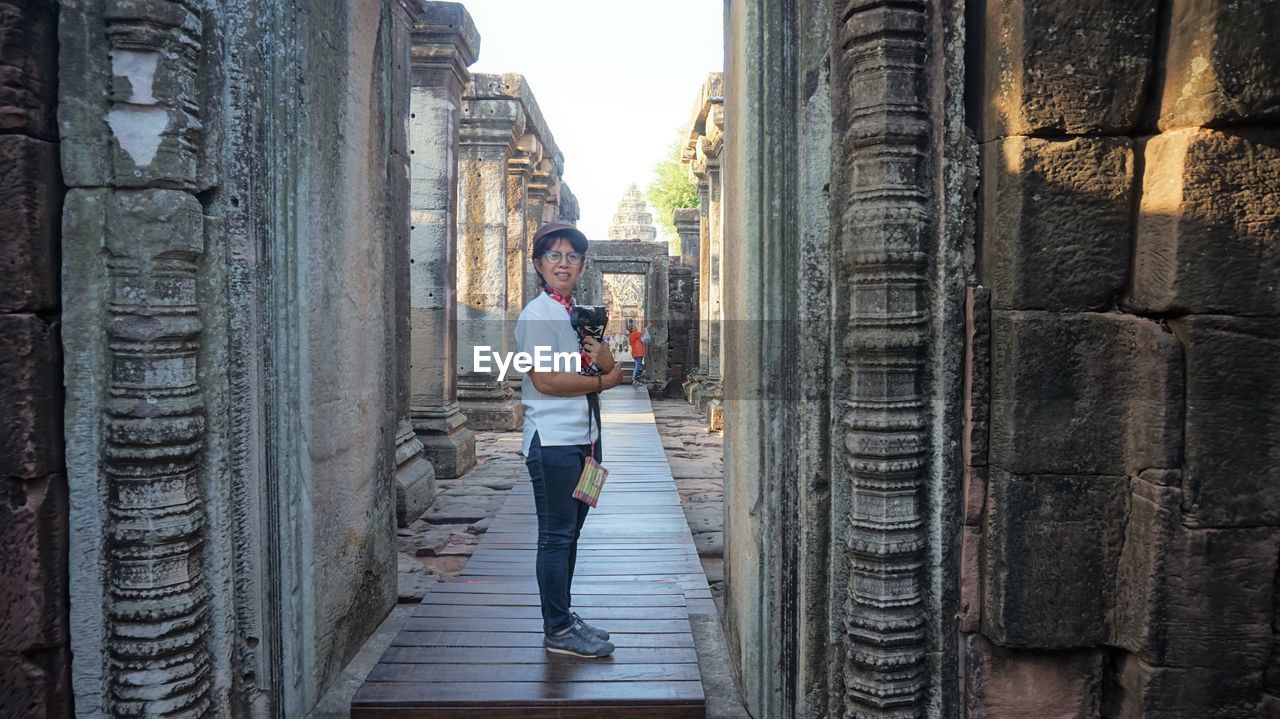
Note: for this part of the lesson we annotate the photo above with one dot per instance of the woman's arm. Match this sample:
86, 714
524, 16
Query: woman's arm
570, 384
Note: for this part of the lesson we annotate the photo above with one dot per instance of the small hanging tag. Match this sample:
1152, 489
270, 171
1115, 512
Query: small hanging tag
591, 482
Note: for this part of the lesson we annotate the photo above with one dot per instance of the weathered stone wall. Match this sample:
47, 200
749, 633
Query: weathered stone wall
843, 165
1121, 513
230, 343
34, 654
702, 151
346, 339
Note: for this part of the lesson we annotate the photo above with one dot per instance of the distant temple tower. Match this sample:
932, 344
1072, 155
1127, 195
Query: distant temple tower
633, 221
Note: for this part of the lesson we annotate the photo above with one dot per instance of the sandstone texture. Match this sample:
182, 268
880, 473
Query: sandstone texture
1232, 467
1052, 542
1057, 218
1221, 63
1007, 683
1065, 66
1208, 234
1084, 393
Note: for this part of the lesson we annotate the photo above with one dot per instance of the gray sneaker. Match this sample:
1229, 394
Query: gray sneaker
578, 642
596, 631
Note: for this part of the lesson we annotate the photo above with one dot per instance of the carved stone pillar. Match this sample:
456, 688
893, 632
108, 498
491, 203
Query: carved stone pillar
415, 476
705, 135
135, 413
527, 152
708, 157
687, 222
443, 44
539, 179
490, 127
688, 225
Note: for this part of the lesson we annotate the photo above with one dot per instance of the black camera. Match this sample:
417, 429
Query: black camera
589, 320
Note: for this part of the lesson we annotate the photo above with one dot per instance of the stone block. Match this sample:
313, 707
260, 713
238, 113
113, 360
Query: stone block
31, 203
1019, 684
975, 494
33, 567
1057, 221
970, 579
977, 376
1192, 597
1139, 690
29, 68
1221, 63
132, 117
1051, 545
1232, 471
1084, 394
415, 488
1208, 213
31, 395
452, 455
36, 685
1065, 66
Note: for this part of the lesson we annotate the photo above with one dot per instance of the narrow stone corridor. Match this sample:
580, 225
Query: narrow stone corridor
637, 574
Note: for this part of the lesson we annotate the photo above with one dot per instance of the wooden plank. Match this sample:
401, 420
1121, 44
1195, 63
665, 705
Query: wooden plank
602, 693
533, 611
517, 655
534, 625
407, 638
552, 672
530, 599
517, 711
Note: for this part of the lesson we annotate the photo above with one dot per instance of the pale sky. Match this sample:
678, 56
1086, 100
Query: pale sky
615, 80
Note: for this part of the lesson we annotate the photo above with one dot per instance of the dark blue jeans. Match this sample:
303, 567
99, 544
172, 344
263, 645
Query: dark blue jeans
554, 472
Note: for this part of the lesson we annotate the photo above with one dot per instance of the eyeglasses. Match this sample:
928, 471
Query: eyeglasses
574, 258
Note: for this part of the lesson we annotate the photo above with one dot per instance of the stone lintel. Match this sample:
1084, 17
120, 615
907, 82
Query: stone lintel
525, 155
442, 34
491, 122
540, 181
518, 87
514, 86
568, 204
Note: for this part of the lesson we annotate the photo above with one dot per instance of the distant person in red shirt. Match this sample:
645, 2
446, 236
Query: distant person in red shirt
637, 341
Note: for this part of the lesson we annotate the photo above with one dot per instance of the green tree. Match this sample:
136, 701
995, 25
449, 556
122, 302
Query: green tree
671, 188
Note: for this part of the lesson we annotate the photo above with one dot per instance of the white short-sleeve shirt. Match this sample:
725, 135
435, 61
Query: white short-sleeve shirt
558, 421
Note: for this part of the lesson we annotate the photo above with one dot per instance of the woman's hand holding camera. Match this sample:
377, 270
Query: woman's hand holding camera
600, 354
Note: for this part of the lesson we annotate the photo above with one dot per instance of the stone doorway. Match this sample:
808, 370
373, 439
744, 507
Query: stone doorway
624, 295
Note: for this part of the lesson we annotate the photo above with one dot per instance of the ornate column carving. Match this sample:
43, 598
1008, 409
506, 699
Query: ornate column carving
443, 43
135, 420
490, 128
886, 221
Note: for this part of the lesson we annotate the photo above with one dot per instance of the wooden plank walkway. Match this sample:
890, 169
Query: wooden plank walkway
473, 648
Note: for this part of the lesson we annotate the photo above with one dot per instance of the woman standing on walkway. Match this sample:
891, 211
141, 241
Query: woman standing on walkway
561, 429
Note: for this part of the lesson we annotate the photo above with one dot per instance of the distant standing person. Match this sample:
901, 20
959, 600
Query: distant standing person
638, 342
